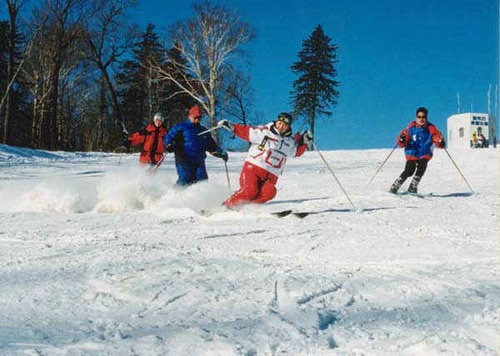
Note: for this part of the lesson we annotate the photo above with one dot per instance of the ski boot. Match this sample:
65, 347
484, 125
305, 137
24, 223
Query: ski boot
396, 185
414, 185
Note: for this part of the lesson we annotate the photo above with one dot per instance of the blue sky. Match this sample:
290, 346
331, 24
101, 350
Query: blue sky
394, 55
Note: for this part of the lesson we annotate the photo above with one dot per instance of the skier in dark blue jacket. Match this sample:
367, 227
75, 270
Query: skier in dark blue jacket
190, 148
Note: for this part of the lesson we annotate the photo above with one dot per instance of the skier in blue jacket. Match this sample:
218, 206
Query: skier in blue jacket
417, 140
190, 148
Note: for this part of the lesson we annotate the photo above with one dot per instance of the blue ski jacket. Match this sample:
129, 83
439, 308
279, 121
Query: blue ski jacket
419, 140
183, 139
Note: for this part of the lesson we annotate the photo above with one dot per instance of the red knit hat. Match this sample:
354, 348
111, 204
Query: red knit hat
195, 111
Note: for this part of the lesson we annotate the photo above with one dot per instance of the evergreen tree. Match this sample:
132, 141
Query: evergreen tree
137, 86
141, 93
315, 90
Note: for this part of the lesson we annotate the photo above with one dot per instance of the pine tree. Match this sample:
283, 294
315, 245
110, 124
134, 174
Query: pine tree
141, 93
315, 90
137, 86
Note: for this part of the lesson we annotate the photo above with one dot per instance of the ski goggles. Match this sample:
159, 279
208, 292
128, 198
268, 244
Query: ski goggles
285, 119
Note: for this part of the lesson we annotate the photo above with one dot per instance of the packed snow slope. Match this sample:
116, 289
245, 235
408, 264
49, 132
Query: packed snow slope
99, 257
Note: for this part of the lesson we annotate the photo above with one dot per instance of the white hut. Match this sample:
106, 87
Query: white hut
461, 127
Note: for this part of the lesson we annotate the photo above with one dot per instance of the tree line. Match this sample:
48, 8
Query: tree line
77, 75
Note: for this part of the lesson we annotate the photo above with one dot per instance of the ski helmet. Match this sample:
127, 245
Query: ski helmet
285, 117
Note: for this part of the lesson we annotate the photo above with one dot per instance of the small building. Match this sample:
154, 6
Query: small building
461, 128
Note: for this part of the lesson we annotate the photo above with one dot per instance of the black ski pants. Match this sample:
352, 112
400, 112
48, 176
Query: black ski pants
418, 167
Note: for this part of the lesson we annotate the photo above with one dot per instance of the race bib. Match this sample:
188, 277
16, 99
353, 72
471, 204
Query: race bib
275, 159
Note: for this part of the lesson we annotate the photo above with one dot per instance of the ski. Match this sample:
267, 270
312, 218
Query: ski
417, 195
300, 215
205, 213
282, 213
209, 212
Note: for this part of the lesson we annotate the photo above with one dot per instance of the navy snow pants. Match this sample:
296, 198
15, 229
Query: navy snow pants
190, 173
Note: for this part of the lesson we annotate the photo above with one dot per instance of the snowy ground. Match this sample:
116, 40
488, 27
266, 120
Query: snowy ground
100, 258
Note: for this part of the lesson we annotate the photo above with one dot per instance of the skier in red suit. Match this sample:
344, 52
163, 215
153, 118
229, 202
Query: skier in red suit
151, 137
271, 145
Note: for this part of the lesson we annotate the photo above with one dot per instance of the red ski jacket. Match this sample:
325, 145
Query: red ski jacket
152, 139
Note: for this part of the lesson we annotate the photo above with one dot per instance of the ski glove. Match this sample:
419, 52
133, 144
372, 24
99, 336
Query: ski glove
402, 138
221, 154
170, 148
226, 124
442, 143
307, 139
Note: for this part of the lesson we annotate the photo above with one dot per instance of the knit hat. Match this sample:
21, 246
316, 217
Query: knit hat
195, 111
158, 117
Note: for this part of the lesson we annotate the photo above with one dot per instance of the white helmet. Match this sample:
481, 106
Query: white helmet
158, 117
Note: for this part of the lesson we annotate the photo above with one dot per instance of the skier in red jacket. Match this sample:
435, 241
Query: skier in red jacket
151, 138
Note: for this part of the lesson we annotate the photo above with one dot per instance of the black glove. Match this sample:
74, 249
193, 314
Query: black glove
221, 154
170, 148
402, 138
226, 124
442, 143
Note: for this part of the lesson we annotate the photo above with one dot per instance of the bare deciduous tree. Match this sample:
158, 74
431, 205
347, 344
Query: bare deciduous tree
206, 42
57, 50
237, 103
35, 73
13, 7
107, 39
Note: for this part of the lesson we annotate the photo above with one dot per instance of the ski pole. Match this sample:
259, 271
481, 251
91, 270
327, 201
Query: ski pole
157, 165
120, 156
209, 130
333, 174
383, 163
227, 176
459, 171
214, 129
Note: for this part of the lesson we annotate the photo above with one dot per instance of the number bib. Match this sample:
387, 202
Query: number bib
275, 158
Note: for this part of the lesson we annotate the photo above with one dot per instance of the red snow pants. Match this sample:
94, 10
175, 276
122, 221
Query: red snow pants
256, 186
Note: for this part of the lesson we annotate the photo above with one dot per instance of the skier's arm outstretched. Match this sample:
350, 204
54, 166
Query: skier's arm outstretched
256, 135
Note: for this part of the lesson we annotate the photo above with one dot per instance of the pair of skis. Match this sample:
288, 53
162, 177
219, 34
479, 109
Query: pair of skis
283, 213
278, 214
